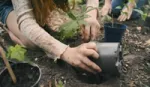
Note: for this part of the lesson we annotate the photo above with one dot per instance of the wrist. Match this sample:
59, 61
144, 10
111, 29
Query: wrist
94, 13
93, 3
131, 4
107, 2
64, 54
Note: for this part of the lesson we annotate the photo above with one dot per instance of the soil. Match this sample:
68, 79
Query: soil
136, 63
26, 76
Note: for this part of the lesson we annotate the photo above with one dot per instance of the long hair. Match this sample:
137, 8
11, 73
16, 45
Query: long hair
42, 8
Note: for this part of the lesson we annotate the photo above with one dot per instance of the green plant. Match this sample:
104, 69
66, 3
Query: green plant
16, 52
71, 28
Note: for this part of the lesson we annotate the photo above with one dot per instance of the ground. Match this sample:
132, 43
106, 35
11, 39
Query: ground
136, 58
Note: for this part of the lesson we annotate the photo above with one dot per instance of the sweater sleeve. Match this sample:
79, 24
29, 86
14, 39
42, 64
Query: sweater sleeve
31, 29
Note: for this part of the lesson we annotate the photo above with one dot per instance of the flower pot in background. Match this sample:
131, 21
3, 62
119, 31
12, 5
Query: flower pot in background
114, 32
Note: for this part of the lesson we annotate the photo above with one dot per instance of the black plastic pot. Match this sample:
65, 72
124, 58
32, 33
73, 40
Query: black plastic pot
114, 32
27, 76
147, 21
110, 62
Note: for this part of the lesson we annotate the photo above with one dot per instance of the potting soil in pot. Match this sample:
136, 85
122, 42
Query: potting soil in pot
26, 75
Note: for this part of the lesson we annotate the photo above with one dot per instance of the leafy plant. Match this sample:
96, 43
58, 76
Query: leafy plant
71, 28
16, 52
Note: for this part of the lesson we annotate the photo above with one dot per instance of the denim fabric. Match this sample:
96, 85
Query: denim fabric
134, 15
5, 8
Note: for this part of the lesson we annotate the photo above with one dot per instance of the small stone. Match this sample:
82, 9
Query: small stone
147, 50
65, 81
36, 59
62, 77
139, 28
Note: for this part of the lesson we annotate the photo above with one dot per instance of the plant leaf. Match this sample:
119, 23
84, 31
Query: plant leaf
118, 7
69, 29
139, 11
71, 15
17, 53
144, 16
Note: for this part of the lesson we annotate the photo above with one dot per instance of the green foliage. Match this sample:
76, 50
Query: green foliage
70, 29
143, 15
60, 84
76, 1
16, 52
106, 18
118, 7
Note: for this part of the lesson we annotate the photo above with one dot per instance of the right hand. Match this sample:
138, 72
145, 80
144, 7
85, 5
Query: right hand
106, 9
78, 57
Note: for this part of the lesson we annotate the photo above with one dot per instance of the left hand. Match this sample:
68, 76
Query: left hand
126, 13
91, 31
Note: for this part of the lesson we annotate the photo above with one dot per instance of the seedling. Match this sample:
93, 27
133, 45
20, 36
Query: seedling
16, 52
71, 28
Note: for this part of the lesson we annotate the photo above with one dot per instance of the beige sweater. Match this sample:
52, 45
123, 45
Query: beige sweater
30, 28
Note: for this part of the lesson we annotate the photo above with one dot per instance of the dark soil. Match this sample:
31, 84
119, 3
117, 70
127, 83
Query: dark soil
26, 75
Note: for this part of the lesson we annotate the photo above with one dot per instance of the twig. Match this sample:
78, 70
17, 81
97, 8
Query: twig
3, 26
13, 77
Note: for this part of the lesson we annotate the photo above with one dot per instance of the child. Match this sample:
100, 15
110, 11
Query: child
25, 19
110, 6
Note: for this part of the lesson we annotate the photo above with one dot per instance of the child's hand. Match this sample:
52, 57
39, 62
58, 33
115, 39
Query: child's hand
106, 9
78, 57
126, 12
91, 31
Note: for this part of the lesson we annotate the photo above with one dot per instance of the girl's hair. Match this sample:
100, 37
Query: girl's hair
42, 8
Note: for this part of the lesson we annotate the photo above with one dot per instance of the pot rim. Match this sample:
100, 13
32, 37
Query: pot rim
117, 24
33, 65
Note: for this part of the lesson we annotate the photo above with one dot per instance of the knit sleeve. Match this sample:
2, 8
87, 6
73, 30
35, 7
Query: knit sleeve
31, 29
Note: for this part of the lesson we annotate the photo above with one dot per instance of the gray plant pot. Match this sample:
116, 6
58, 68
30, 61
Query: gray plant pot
110, 61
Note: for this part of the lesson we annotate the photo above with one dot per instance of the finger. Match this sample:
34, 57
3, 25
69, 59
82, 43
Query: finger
83, 66
92, 53
91, 64
95, 31
110, 11
129, 16
82, 27
120, 17
86, 33
124, 17
91, 45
